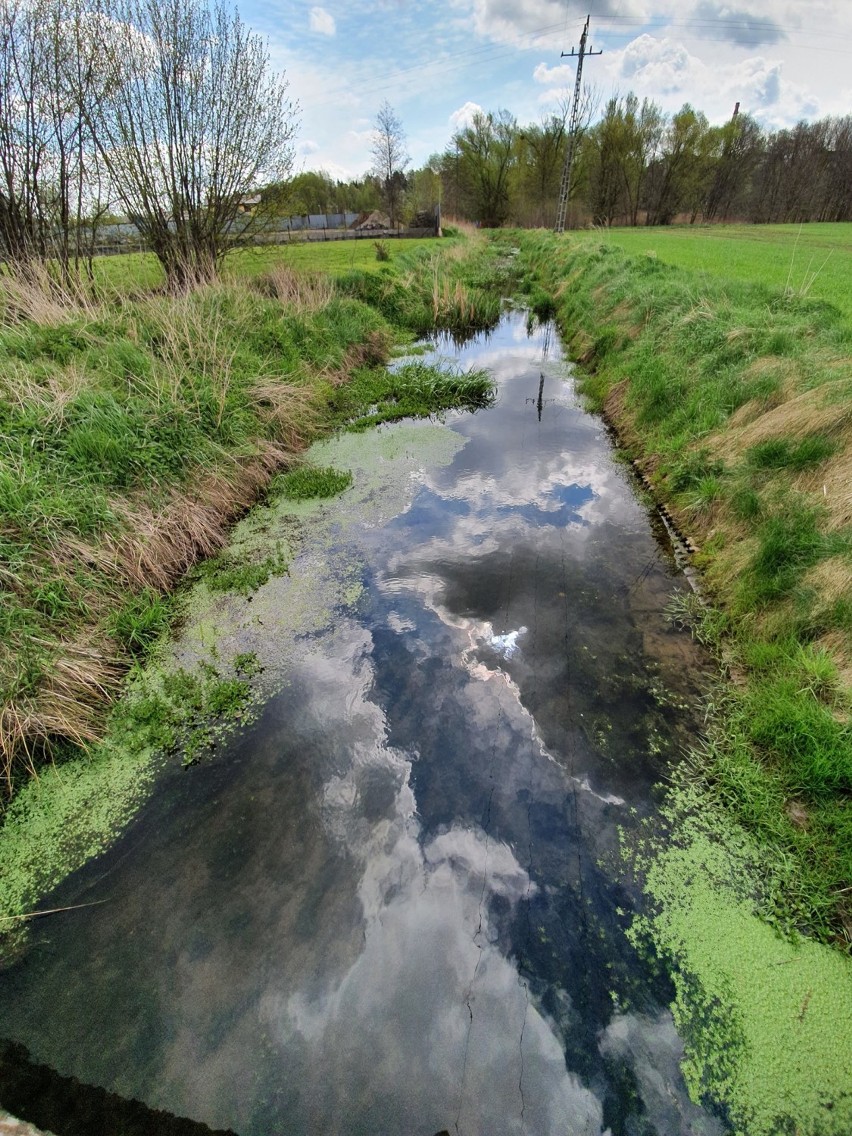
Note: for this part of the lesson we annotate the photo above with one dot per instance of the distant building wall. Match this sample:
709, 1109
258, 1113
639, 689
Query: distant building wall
125, 237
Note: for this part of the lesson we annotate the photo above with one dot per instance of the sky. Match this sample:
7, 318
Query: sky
436, 64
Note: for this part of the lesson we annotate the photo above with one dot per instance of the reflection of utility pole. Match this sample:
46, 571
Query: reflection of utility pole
540, 402
565, 187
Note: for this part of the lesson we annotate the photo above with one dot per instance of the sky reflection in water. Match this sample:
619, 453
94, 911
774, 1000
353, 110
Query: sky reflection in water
392, 905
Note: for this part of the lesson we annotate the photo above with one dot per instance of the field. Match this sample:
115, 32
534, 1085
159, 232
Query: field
813, 260
140, 272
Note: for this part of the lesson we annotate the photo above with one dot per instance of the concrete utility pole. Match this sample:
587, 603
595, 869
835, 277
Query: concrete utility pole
565, 187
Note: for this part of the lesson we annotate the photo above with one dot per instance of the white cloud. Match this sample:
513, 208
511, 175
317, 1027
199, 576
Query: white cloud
559, 76
308, 146
660, 63
667, 71
464, 116
322, 22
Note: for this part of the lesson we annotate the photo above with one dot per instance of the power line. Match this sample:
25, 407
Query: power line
565, 187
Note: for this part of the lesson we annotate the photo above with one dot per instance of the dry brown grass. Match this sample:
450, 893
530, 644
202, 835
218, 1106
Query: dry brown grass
34, 294
583, 347
817, 411
68, 705
302, 292
836, 644
47, 393
374, 351
831, 485
467, 229
825, 410
160, 544
292, 410
830, 581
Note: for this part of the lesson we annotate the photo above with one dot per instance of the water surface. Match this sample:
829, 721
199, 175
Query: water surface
394, 904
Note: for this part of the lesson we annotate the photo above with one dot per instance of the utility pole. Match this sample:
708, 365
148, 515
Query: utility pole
565, 187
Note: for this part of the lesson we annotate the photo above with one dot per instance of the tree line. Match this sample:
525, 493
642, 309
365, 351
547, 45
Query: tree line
638, 165
634, 165
165, 110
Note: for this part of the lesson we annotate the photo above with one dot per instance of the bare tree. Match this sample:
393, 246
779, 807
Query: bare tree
390, 158
24, 136
47, 159
189, 119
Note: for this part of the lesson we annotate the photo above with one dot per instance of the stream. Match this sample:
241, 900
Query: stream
394, 903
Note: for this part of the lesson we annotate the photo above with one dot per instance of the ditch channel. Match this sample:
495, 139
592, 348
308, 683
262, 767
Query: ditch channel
396, 902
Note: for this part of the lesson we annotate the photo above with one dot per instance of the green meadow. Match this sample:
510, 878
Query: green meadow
813, 260
137, 273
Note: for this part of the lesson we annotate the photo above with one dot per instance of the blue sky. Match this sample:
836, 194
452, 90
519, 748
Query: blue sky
436, 63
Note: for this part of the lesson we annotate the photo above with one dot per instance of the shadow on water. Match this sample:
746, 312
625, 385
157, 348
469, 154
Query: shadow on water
394, 904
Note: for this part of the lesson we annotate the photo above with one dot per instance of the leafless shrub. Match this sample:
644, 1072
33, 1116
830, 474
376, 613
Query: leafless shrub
189, 120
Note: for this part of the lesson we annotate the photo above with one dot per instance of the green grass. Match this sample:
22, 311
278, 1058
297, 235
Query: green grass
334, 257
307, 482
140, 620
785, 453
812, 260
224, 573
413, 389
137, 273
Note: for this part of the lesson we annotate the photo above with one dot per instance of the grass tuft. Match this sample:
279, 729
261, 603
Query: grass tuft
307, 481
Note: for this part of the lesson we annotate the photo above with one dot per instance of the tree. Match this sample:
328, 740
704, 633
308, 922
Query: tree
541, 157
189, 119
389, 158
51, 181
424, 191
619, 150
741, 149
684, 168
486, 152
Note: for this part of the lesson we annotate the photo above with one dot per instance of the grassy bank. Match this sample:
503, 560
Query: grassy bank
812, 260
736, 401
135, 432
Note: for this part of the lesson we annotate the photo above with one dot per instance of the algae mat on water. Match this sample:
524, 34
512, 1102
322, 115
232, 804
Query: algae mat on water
767, 1021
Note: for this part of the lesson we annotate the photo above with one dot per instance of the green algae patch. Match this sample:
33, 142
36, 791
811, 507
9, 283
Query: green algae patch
324, 578
766, 1020
74, 810
70, 814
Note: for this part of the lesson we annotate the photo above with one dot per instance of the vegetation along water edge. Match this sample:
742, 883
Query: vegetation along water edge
734, 399
135, 431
